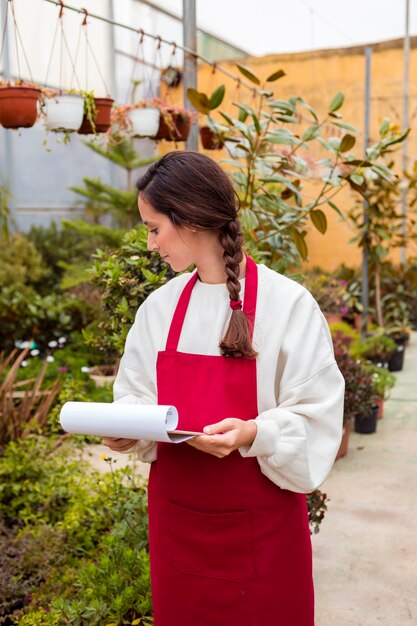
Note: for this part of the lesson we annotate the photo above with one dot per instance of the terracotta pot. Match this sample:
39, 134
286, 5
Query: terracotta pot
18, 106
333, 318
102, 121
380, 404
210, 140
343, 448
178, 130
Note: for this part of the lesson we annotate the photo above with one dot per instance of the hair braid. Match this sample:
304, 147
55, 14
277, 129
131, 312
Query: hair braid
237, 339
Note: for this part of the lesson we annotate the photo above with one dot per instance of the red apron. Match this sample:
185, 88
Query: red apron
227, 546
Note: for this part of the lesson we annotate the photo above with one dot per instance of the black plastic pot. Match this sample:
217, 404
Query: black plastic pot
366, 424
396, 361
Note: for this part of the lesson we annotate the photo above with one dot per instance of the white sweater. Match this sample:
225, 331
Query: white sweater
300, 388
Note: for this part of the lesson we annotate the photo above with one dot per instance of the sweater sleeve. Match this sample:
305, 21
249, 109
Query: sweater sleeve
297, 440
135, 382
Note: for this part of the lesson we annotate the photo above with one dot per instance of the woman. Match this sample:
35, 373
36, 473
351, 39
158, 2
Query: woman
245, 355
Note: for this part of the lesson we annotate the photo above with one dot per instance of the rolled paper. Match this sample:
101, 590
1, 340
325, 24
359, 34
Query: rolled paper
128, 421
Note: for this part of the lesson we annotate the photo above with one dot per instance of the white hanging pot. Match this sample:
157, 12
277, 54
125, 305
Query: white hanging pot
145, 121
64, 113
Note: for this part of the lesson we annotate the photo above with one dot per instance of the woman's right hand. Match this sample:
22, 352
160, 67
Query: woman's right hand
119, 444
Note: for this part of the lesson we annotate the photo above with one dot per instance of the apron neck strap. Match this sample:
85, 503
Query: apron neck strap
249, 303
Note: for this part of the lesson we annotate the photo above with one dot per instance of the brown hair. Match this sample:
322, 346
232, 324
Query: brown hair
209, 203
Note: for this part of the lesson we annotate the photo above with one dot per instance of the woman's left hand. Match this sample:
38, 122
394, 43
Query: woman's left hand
224, 437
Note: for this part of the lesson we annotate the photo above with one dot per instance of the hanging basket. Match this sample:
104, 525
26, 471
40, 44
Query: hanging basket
174, 125
18, 106
64, 113
144, 121
102, 119
210, 140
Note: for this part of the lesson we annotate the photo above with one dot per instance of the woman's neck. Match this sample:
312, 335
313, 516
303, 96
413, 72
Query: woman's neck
211, 270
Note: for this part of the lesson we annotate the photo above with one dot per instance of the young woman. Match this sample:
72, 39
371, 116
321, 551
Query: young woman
245, 355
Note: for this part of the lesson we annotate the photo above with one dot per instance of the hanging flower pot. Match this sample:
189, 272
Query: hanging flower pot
18, 106
64, 112
144, 121
101, 117
174, 124
210, 140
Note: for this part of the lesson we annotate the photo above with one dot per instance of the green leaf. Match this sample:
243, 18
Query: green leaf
385, 126
304, 104
345, 126
337, 102
357, 178
319, 220
358, 163
300, 243
216, 97
275, 76
198, 100
248, 74
290, 119
347, 143
248, 219
311, 133
256, 122
227, 117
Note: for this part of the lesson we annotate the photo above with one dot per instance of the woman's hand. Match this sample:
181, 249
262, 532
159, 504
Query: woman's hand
226, 436
119, 445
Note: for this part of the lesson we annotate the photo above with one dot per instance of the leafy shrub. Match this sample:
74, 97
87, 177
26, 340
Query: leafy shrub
125, 279
360, 393
20, 262
375, 347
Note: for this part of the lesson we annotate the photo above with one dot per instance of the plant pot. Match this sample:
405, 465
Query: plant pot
144, 121
396, 361
343, 448
210, 140
333, 318
103, 117
18, 106
177, 128
379, 402
366, 424
103, 374
64, 113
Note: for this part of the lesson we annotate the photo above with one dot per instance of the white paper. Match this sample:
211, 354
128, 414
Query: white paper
130, 421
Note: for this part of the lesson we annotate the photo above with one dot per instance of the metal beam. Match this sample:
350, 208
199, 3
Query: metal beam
190, 62
365, 253
405, 126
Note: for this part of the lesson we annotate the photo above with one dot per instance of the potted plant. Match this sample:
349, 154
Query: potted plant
97, 116
19, 104
383, 381
174, 123
350, 371
140, 119
64, 111
376, 348
212, 135
329, 293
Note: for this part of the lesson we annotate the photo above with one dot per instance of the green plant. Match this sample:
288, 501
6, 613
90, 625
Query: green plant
376, 348
20, 262
5, 216
124, 278
382, 379
272, 162
360, 393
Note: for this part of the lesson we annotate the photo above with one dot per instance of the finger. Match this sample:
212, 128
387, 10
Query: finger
220, 427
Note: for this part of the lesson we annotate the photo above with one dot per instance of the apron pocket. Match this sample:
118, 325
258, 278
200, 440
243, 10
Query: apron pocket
215, 545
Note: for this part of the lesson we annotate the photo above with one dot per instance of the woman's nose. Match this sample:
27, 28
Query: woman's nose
151, 243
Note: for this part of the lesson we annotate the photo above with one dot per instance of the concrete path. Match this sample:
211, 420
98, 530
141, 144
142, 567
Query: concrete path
365, 556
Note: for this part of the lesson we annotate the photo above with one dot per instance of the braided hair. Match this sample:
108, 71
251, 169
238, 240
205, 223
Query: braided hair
193, 190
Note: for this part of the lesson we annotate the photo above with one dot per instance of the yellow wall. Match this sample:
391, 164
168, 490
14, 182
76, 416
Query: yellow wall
317, 76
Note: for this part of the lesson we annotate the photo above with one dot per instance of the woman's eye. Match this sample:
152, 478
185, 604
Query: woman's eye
155, 231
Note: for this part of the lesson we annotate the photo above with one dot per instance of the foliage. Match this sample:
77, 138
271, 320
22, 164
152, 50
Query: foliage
24, 406
377, 218
71, 245
317, 507
272, 163
5, 216
49, 499
125, 279
375, 347
329, 292
360, 394
382, 379
102, 199
27, 315
20, 262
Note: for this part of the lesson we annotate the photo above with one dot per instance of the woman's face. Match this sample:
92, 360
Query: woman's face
179, 246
